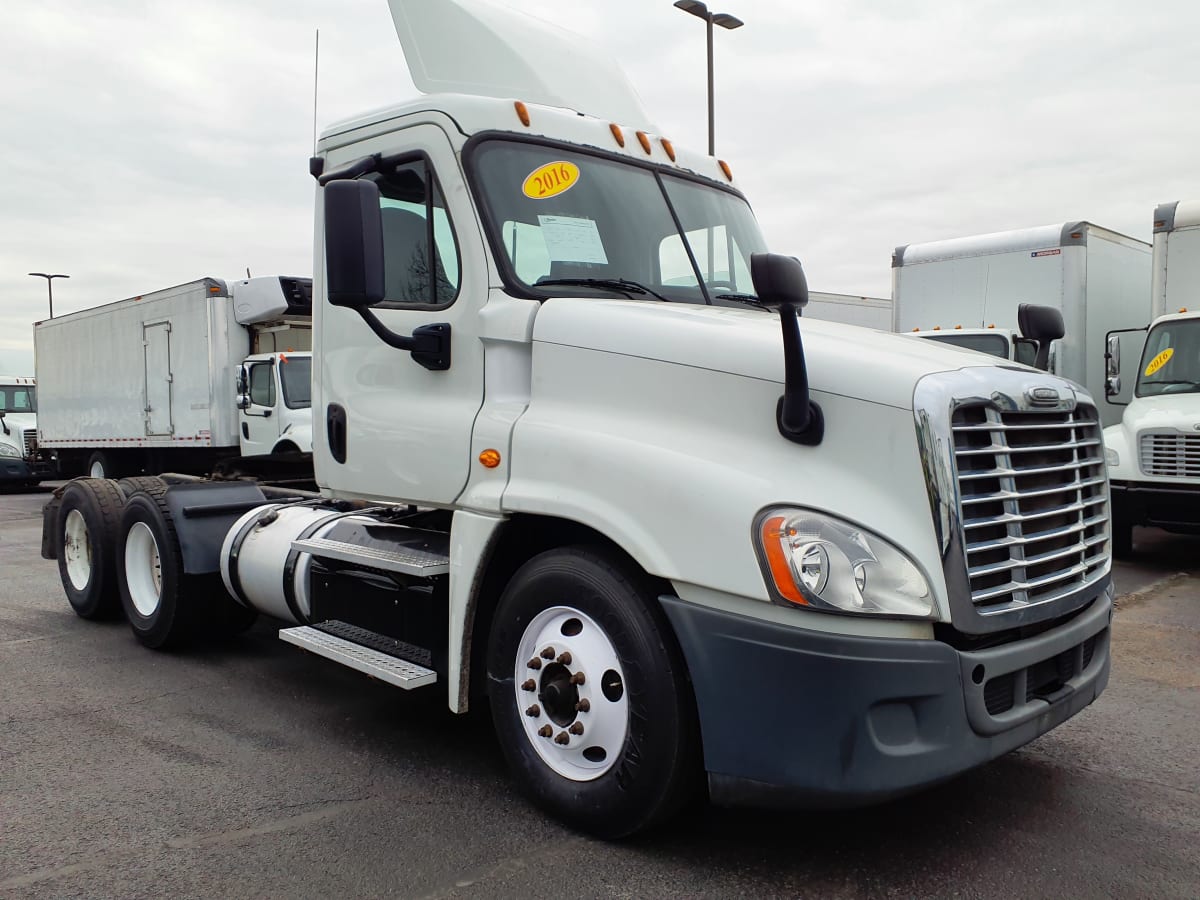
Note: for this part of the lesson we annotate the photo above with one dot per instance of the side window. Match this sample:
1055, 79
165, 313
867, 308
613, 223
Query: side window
262, 385
419, 250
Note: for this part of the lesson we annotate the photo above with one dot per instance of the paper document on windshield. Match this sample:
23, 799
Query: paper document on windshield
569, 239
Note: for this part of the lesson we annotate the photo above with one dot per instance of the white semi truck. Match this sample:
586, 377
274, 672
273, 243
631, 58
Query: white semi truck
179, 379
22, 462
1154, 452
1096, 278
675, 546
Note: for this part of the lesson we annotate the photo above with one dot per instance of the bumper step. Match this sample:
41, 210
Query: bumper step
368, 660
407, 561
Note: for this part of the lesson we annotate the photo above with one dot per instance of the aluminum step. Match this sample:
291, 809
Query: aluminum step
400, 672
407, 561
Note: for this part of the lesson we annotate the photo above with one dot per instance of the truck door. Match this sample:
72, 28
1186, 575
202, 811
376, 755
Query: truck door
156, 339
384, 425
260, 426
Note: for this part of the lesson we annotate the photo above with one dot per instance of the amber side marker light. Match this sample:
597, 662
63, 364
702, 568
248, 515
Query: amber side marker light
213, 289
958, 328
725, 168
617, 133
668, 147
489, 459
781, 572
644, 140
1183, 309
522, 113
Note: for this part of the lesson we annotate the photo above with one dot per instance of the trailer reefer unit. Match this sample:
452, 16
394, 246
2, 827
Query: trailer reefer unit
163, 381
1095, 277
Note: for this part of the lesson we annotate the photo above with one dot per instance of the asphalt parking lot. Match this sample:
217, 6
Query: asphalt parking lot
248, 768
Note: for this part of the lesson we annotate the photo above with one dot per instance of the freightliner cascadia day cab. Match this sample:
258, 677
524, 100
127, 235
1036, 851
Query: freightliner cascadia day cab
1154, 453
22, 462
179, 379
1096, 278
665, 527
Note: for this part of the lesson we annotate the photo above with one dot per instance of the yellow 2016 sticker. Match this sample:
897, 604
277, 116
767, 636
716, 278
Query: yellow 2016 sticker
551, 180
1159, 361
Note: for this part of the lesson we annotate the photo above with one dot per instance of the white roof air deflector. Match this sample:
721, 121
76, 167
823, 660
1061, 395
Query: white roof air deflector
474, 47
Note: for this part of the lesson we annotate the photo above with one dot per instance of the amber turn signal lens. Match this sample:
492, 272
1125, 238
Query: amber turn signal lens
781, 572
489, 459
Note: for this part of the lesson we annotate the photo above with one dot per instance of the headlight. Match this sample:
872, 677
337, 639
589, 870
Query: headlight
814, 560
1111, 457
9, 450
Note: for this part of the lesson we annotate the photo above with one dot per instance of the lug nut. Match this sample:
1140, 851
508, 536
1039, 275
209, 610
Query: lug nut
534, 663
583, 705
564, 658
534, 711
578, 678
548, 653
576, 728
545, 731
562, 738
529, 685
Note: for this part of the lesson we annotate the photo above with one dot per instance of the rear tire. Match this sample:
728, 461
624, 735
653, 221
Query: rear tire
598, 725
151, 484
101, 464
86, 535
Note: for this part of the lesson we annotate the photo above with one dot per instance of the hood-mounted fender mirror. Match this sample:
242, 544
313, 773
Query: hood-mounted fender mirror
1043, 324
780, 284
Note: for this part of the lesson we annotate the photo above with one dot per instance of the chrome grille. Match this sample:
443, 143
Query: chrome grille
30, 443
1032, 497
1170, 453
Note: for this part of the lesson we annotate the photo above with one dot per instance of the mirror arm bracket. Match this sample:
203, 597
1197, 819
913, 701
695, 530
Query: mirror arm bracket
428, 344
798, 417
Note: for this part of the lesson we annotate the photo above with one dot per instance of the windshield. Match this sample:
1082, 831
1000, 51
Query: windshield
991, 344
295, 374
1171, 360
565, 216
18, 398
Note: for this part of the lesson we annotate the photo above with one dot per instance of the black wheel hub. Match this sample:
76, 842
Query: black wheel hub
558, 696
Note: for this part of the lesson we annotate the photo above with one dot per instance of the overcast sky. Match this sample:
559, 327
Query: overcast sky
147, 144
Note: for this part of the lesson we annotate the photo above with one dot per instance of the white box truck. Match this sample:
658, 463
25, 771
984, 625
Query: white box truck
850, 309
22, 462
1095, 277
660, 537
1153, 454
178, 379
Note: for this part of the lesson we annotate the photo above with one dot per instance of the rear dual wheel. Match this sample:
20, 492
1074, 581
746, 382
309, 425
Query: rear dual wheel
88, 520
589, 693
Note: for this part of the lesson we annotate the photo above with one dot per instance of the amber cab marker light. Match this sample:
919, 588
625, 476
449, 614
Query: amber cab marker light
617, 133
781, 572
1183, 309
489, 459
667, 146
522, 113
644, 140
725, 168
958, 328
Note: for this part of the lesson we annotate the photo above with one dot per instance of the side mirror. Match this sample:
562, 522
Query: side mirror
1112, 357
1042, 324
780, 284
243, 401
353, 244
1112, 385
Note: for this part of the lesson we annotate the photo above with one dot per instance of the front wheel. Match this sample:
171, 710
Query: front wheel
589, 693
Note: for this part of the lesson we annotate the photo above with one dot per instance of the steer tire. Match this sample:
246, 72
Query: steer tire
162, 603
591, 613
85, 537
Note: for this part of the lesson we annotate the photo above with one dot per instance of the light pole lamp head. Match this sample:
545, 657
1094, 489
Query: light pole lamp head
695, 7
725, 20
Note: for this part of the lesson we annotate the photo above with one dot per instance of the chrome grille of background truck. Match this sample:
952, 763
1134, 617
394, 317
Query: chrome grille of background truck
1169, 453
1016, 477
30, 443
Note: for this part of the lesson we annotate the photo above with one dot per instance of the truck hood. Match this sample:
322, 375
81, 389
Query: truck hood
1179, 412
841, 359
22, 421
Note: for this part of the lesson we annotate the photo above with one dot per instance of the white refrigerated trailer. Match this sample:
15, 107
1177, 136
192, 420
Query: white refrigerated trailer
1098, 279
178, 379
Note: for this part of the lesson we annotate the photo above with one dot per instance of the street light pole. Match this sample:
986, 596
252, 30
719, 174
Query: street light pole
725, 20
49, 286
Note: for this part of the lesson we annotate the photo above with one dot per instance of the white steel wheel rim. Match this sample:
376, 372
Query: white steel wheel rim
578, 728
143, 569
76, 551
96, 470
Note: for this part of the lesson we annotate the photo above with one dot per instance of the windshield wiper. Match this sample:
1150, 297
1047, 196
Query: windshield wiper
751, 299
621, 285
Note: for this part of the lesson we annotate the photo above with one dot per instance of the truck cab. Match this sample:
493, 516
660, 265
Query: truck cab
275, 403
21, 461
